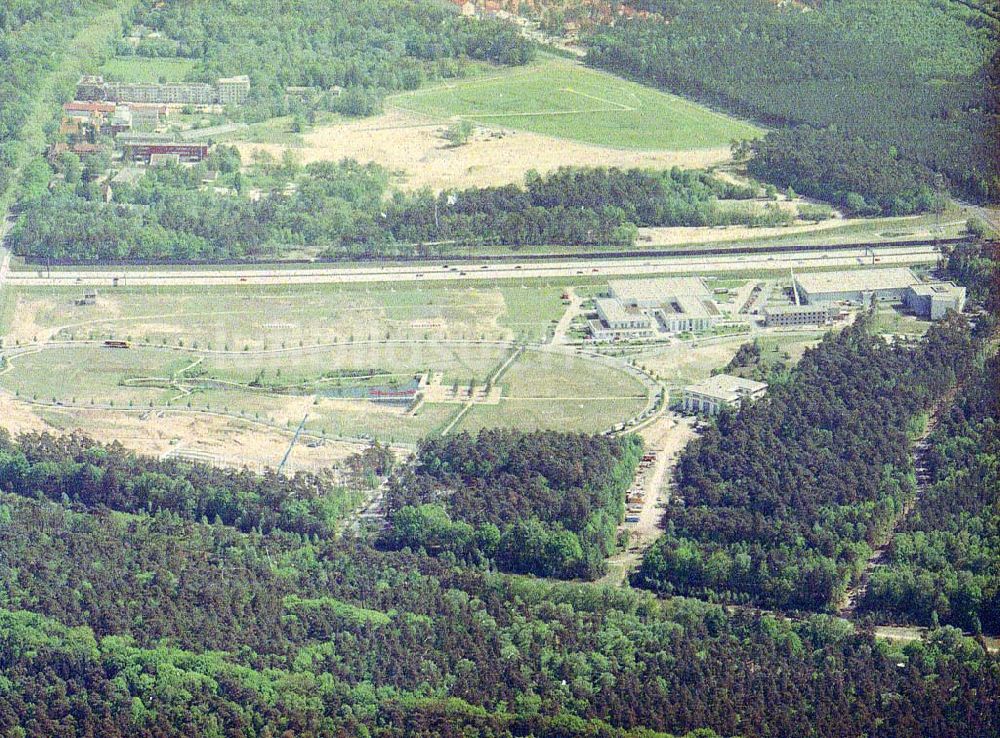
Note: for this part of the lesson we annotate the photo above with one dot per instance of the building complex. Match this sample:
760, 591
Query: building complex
721, 390
644, 308
225, 91
862, 286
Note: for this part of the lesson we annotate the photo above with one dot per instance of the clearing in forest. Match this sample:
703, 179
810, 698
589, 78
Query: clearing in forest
560, 98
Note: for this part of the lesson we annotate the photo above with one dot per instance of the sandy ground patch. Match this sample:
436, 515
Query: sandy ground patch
685, 234
666, 437
682, 364
230, 441
412, 146
24, 327
17, 418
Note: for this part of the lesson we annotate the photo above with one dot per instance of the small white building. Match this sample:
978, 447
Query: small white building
933, 300
721, 390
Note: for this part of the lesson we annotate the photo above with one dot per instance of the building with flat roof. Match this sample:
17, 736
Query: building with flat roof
650, 293
783, 316
616, 322
232, 90
669, 305
721, 390
226, 91
857, 286
934, 299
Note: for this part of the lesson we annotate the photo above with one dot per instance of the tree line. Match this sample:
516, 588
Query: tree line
346, 209
779, 503
944, 563
147, 625
76, 470
867, 100
543, 503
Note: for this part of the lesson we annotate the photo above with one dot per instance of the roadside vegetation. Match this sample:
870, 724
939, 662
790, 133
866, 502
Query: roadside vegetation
348, 209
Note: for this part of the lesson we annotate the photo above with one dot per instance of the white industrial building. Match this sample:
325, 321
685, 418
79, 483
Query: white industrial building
615, 322
933, 300
721, 390
860, 286
643, 308
856, 286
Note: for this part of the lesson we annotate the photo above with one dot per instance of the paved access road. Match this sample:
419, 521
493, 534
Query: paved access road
433, 272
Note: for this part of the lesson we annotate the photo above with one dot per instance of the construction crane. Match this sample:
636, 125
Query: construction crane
298, 432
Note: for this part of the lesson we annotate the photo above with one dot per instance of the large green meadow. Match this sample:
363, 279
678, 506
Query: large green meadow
560, 98
273, 355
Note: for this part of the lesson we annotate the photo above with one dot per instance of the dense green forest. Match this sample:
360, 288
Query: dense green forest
975, 264
779, 502
944, 561
346, 209
868, 98
364, 48
119, 624
75, 469
32, 36
542, 503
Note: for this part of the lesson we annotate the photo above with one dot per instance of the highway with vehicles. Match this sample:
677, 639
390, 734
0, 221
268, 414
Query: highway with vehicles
672, 263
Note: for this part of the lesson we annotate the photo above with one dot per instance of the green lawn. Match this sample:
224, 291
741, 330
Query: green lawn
562, 98
142, 69
591, 397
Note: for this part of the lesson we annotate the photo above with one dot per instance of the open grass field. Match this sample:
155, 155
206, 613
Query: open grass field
891, 320
269, 356
682, 364
280, 389
557, 97
142, 69
251, 317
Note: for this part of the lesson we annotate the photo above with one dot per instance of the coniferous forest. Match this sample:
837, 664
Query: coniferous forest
120, 624
869, 100
780, 502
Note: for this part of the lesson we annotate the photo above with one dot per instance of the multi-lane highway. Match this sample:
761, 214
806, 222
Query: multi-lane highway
469, 271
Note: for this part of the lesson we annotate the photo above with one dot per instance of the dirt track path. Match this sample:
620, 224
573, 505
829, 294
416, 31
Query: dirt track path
562, 327
878, 557
667, 437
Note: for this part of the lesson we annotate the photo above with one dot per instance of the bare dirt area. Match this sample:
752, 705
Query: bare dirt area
684, 234
411, 145
665, 438
217, 440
